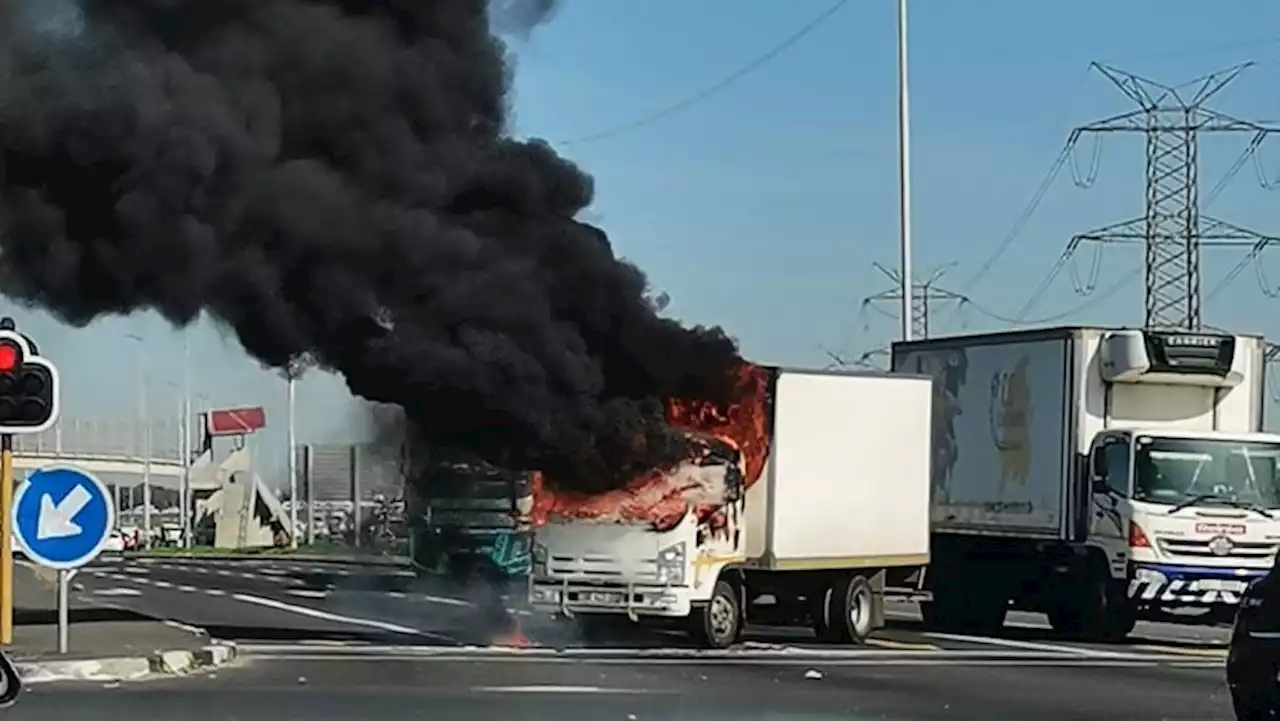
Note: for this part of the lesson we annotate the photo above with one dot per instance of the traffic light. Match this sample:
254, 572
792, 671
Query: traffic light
28, 386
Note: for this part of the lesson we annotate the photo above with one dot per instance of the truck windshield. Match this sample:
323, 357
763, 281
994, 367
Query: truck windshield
1174, 471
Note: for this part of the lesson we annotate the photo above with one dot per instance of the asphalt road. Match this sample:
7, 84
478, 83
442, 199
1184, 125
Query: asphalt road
322, 641
392, 686
275, 600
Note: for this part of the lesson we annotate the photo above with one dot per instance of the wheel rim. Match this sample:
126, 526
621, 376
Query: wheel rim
722, 617
859, 612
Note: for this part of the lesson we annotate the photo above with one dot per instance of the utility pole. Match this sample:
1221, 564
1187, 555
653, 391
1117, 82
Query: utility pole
921, 303
292, 372
1172, 230
904, 176
184, 496
143, 440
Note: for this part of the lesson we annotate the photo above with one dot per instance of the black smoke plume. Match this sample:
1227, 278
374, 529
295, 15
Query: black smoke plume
335, 179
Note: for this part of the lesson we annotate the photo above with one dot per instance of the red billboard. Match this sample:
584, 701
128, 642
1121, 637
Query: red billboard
235, 421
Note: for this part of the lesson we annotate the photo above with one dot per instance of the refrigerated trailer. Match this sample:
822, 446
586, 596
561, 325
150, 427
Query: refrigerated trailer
1097, 475
810, 531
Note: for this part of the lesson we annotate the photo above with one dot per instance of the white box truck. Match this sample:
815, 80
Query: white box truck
1097, 475
809, 515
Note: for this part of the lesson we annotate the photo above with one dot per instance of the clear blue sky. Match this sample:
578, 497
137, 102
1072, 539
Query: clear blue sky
762, 207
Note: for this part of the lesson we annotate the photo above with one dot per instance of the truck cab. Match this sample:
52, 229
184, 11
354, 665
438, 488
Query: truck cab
470, 519
1189, 518
1185, 488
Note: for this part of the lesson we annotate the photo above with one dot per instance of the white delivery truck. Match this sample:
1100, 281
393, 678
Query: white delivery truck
840, 502
1099, 476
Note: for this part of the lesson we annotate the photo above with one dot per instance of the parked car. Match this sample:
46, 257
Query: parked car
1253, 658
115, 542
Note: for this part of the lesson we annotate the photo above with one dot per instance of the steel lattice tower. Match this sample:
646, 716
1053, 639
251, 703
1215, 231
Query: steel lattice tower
1172, 229
924, 295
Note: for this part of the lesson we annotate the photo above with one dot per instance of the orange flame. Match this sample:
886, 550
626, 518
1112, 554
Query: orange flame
512, 636
653, 497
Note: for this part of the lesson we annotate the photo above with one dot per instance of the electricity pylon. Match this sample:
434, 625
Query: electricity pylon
1172, 230
924, 294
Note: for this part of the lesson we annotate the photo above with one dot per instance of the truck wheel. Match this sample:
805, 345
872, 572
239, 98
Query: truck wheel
845, 611
1099, 611
718, 622
977, 609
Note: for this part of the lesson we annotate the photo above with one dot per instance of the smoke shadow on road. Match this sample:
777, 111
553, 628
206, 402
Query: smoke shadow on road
302, 634
78, 614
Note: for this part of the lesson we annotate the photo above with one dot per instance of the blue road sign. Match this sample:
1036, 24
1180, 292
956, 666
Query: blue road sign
62, 517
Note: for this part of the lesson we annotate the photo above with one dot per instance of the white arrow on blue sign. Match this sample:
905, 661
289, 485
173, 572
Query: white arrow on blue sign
62, 517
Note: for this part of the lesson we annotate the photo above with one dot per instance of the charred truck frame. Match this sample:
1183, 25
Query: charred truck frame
469, 520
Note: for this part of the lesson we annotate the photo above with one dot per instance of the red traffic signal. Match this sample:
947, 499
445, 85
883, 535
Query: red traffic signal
28, 386
10, 357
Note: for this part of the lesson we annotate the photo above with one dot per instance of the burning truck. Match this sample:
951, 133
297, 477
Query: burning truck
798, 501
470, 526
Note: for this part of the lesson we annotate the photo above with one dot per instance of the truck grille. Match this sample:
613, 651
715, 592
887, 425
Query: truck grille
602, 568
1201, 549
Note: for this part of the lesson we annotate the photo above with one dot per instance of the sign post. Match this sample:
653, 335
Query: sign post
29, 393
62, 518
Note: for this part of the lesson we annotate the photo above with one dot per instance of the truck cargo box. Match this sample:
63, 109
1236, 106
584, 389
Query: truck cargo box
847, 479
1003, 429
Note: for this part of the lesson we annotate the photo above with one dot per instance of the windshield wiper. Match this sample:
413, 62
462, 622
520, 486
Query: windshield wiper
1202, 497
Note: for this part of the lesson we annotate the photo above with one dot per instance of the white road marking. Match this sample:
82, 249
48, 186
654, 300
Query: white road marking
1028, 645
215, 592
555, 689
187, 589
396, 594
117, 592
184, 627
445, 600
302, 652
307, 593
690, 655
352, 620
158, 584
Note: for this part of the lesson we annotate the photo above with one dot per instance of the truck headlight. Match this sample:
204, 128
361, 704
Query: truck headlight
539, 553
671, 564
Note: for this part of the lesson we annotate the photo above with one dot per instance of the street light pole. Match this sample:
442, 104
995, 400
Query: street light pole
292, 460
184, 494
904, 174
145, 419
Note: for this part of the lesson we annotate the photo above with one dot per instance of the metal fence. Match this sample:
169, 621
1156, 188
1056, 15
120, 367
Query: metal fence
343, 473
110, 438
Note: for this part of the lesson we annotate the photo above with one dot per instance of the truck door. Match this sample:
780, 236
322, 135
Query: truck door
1111, 468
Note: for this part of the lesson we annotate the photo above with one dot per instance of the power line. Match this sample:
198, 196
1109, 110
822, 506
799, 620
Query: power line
924, 295
1173, 229
1042, 189
1094, 299
715, 88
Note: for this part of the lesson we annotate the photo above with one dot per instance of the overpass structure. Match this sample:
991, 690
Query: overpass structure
98, 463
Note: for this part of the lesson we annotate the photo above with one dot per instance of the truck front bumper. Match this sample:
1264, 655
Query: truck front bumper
1159, 584
569, 597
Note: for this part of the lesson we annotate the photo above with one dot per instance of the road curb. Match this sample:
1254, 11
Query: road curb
127, 668
282, 558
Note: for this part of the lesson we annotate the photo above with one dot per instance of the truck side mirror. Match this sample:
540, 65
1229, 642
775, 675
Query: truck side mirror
1098, 465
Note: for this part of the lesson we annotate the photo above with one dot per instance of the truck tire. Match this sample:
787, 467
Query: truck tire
845, 611
602, 629
975, 608
1097, 610
717, 624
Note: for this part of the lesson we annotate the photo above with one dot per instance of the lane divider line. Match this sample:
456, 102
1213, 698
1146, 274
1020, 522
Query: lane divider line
1183, 650
1028, 645
350, 620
